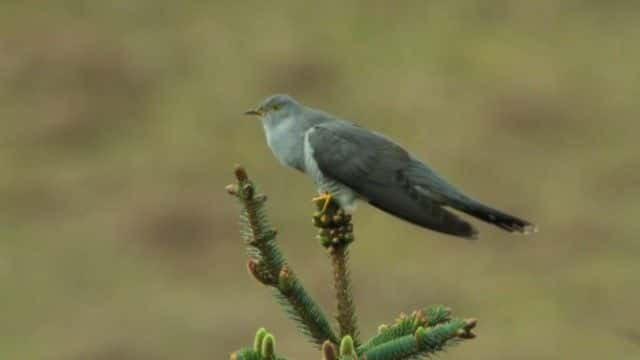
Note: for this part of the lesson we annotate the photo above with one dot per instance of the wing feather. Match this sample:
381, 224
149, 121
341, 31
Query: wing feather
379, 170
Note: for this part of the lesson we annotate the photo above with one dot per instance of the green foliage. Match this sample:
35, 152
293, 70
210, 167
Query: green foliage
303, 309
406, 325
423, 342
422, 333
268, 265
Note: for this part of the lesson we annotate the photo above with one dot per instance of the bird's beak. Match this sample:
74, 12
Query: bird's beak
253, 112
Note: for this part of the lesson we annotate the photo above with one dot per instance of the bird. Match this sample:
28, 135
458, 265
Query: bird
348, 163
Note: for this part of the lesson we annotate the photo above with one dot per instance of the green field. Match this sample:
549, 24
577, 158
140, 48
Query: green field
120, 123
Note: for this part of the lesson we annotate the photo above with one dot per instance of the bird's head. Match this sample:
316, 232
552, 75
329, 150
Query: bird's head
276, 107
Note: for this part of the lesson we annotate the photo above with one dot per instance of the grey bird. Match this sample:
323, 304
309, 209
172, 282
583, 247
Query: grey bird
348, 162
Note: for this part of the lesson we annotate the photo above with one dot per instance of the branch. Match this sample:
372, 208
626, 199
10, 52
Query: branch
268, 265
423, 342
408, 325
335, 234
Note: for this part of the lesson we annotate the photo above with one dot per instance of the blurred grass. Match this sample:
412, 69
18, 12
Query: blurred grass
120, 124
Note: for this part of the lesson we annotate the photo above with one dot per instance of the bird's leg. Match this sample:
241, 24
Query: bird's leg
326, 196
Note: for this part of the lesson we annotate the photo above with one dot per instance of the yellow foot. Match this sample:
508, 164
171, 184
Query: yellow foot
326, 197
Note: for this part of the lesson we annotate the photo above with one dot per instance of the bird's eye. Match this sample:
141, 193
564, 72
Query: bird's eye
275, 107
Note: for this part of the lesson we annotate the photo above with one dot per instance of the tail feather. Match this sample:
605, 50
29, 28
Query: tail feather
496, 217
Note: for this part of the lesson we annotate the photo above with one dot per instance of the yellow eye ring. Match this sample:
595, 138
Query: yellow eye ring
276, 107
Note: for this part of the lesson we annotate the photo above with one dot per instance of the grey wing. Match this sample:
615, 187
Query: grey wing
379, 170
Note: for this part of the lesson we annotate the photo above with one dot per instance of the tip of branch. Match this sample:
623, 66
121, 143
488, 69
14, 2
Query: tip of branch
268, 347
470, 323
259, 339
329, 351
465, 331
346, 347
467, 335
232, 189
382, 328
240, 172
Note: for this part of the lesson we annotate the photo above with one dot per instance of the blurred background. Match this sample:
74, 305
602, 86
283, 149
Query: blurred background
120, 123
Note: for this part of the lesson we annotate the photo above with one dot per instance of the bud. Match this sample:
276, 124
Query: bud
470, 323
285, 280
420, 334
241, 174
465, 334
325, 241
232, 189
401, 317
329, 351
269, 347
252, 268
338, 218
258, 340
421, 317
347, 349
348, 237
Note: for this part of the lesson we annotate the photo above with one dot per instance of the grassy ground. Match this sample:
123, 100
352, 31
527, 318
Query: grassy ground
120, 123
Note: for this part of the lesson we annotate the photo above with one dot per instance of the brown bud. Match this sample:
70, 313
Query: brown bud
240, 172
464, 334
329, 351
252, 268
421, 317
285, 279
471, 323
401, 317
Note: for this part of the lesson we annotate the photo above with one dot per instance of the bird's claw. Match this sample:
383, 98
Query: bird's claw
326, 197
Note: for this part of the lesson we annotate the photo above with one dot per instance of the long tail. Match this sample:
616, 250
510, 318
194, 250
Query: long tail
493, 216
